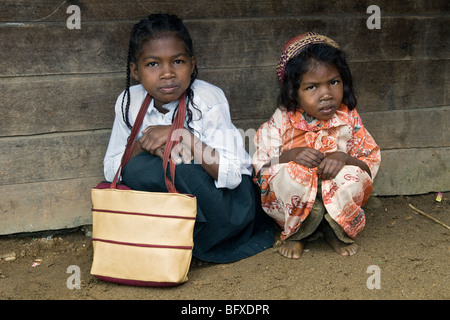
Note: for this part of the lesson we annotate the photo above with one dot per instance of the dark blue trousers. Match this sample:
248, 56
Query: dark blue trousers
230, 224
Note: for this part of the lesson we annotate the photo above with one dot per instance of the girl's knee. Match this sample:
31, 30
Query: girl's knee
352, 174
140, 173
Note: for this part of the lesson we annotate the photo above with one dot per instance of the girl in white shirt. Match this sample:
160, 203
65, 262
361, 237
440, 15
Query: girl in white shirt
212, 163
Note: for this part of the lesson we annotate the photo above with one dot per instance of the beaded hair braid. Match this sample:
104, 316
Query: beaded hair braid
157, 26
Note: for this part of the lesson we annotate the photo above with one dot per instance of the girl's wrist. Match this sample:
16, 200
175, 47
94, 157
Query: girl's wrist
186, 137
348, 159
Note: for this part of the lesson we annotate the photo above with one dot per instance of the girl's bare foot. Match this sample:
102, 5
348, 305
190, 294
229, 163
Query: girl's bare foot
338, 246
292, 249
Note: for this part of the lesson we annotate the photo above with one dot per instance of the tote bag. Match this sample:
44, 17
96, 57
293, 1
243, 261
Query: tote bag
143, 238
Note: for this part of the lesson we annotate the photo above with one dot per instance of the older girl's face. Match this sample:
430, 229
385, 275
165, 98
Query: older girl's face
164, 69
321, 91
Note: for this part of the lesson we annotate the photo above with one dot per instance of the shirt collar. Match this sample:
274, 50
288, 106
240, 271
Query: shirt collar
171, 106
301, 120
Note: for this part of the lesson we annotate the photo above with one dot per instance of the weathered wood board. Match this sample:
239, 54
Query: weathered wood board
52, 157
47, 205
34, 105
412, 171
102, 47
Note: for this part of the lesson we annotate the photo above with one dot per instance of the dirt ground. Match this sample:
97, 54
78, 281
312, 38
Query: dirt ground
407, 253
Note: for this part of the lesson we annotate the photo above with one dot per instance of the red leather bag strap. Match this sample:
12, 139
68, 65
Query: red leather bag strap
174, 139
132, 138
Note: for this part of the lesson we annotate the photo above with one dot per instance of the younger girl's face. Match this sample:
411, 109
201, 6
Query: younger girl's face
164, 69
321, 91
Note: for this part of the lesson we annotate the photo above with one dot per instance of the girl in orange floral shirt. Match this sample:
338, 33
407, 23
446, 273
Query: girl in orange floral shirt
315, 161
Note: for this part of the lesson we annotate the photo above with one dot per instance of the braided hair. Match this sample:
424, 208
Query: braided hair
157, 26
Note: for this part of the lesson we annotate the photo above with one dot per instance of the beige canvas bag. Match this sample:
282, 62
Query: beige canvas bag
143, 238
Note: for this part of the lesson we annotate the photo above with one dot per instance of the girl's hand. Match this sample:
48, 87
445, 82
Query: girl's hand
332, 164
154, 139
305, 156
181, 153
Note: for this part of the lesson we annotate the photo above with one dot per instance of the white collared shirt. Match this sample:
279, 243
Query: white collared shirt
214, 128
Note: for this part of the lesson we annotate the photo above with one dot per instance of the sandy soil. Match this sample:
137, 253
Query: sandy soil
411, 253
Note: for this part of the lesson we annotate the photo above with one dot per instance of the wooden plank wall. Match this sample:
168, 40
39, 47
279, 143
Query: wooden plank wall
58, 87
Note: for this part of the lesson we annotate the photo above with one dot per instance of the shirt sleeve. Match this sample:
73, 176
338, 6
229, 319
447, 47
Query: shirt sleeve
117, 143
268, 141
219, 133
363, 146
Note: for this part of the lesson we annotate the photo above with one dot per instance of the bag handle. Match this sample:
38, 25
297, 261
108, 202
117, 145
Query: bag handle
173, 141
132, 138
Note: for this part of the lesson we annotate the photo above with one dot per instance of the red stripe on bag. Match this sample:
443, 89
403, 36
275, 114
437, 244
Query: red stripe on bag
144, 214
140, 283
143, 245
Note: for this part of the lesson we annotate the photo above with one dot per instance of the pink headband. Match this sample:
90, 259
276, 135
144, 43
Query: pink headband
297, 44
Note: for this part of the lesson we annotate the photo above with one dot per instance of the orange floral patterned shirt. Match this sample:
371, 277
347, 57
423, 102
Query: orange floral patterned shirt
343, 132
